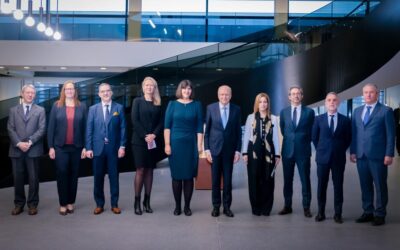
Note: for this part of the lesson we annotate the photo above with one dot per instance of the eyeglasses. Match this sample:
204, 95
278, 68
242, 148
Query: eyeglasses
105, 91
69, 89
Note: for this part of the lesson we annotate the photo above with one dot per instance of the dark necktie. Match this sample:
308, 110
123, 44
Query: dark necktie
367, 114
294, 119
332, 124
107, 112
26, 112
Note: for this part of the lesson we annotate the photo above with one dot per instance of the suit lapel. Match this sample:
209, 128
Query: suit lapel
374, 112
20, 111
111, 113
288, 114
219, 115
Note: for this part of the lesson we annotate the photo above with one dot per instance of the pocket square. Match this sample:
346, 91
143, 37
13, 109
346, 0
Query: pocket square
115, 113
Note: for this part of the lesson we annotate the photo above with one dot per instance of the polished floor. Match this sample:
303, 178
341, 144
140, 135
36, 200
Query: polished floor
163, 230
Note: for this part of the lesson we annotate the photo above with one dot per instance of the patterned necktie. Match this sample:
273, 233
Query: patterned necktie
332, 124
224, 117
294, 117
26, 112
367, 114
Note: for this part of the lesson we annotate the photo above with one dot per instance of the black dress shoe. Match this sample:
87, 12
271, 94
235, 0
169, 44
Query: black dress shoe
256, 213
215, 212
378, 221
187, 211
307, 213
338, 218
320, 217
228, 212
265, 213
285, 210
177, 211
365, 218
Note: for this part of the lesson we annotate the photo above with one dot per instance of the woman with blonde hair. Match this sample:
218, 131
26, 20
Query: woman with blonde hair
261, 153
147, 126
66, 140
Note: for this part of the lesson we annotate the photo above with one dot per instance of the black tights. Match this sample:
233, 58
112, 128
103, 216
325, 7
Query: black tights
187, 191
143, 176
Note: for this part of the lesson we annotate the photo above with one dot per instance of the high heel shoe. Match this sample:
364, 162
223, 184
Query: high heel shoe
63, 211
138, 210
177, 211
70, 209
187, 211
146, 204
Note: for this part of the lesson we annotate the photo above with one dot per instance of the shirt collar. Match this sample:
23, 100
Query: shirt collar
222, 106
371, 105
103, 104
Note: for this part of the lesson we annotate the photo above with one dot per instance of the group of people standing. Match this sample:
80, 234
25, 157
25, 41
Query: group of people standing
100, 135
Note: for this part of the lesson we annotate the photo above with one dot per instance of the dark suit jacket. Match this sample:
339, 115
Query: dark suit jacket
57, 128
96, 128
331, 147
296, 141
375, 139
215, 136
21, 130
145, 120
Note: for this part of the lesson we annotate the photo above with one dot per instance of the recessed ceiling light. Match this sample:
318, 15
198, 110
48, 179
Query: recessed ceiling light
1, 67
26, 67
155, 68
63, 68
103, 68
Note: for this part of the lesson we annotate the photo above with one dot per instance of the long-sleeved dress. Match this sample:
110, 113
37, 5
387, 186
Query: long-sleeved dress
185, 121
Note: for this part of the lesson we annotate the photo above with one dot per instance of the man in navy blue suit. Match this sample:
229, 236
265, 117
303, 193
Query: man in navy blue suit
372, 147
331, 135
105, 143
296, 123
222, 142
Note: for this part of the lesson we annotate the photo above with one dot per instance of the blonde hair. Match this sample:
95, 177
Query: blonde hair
257, 102
61, 101
156, 94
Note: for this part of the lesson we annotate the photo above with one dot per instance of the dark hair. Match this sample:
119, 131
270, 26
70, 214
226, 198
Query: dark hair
183, 85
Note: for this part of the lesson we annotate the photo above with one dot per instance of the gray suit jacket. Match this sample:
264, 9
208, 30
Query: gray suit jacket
21, 130
375, 139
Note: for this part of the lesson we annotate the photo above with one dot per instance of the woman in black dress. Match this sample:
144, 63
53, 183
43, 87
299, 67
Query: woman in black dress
147, 125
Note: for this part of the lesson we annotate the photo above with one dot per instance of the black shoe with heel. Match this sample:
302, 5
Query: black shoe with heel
138, 209
146, 204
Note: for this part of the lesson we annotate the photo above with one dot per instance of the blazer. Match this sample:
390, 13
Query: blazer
330, 146
215, 136
96, 128
296, 140
57, 128
145, 120
32, 128
248, 133
375, 139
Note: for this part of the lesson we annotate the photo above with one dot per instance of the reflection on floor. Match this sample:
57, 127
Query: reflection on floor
163, 230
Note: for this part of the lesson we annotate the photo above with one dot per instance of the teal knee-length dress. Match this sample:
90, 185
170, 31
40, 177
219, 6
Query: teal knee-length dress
185, 121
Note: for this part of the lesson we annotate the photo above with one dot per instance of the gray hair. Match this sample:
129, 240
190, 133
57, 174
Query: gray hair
28, 86
296, 87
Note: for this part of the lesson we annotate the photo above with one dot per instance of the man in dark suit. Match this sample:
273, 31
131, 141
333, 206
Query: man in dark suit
296, 124
26, 127
331, 135
372, 147
222, 142
105, 143
397, 121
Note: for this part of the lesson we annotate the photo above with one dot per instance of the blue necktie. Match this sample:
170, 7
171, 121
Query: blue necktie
367, 114
294, 119
224, 117
332, 125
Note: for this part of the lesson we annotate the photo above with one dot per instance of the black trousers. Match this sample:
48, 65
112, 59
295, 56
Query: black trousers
67, 161
323, 171
261, 184
20, 166
398, 139
222, 165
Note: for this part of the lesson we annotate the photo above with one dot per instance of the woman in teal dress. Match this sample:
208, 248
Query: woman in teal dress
183, 135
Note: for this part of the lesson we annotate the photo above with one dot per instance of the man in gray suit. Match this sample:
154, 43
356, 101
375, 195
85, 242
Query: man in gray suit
372, 147
26, 127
